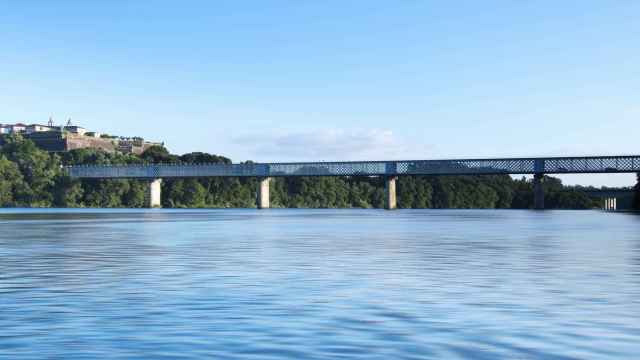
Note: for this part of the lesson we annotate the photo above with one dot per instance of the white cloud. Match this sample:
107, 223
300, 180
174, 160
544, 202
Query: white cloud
331, 144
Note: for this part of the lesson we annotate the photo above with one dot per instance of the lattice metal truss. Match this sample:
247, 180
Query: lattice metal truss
553, 165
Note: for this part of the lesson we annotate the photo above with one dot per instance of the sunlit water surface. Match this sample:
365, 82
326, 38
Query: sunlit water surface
319, 284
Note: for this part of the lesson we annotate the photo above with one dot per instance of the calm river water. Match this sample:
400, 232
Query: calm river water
319, 284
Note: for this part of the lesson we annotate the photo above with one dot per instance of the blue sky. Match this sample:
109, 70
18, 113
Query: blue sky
332, 80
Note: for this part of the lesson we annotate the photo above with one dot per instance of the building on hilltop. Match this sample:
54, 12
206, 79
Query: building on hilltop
33, 128
19, 127
12, 128
75, 129
70, 137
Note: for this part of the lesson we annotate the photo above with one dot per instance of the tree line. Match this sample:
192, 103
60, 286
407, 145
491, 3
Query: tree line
30, 177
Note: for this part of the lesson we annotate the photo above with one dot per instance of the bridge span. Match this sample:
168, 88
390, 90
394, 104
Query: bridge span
390, 170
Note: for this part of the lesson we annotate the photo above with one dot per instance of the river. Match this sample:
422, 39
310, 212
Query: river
319, 284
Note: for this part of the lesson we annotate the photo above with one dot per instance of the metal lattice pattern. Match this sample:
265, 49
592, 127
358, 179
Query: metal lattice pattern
566, 165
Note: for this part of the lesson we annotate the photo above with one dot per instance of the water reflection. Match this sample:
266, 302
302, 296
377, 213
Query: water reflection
319, 284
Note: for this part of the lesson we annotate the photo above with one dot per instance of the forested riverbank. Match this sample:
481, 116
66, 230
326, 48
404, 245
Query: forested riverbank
30, 177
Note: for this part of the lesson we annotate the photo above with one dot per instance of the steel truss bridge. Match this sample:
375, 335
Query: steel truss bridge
390, 170
547, 165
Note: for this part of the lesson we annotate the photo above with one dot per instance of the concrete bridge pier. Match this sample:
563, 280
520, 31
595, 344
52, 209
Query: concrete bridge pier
538, 191
262, 201
154, 199
390, 193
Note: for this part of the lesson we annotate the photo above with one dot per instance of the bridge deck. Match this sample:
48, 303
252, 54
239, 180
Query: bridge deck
548, 165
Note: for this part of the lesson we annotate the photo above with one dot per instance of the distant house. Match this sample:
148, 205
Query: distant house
30, 129
18, 128
5, 129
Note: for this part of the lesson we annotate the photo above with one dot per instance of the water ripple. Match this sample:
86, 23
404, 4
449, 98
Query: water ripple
319, 284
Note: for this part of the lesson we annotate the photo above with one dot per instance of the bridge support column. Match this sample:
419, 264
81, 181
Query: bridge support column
154, 199
262, 201
390, 193
538, 191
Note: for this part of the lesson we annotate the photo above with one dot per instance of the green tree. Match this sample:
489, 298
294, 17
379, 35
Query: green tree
203, 158
10, 181
173, 191
67, 192
158, 154
135, 196
522, 194
106, 193
414, 192
194, 194
38, 169
571, 199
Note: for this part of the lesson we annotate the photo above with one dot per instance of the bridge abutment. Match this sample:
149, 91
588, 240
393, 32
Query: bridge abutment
538, 191
262, 201
154, 199
390, 193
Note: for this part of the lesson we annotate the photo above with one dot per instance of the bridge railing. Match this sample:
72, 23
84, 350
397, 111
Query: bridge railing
592, 164
167, 170
564, 165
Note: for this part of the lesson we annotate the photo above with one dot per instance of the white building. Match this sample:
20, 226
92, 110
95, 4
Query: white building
17, 128
37, 128
76, 129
